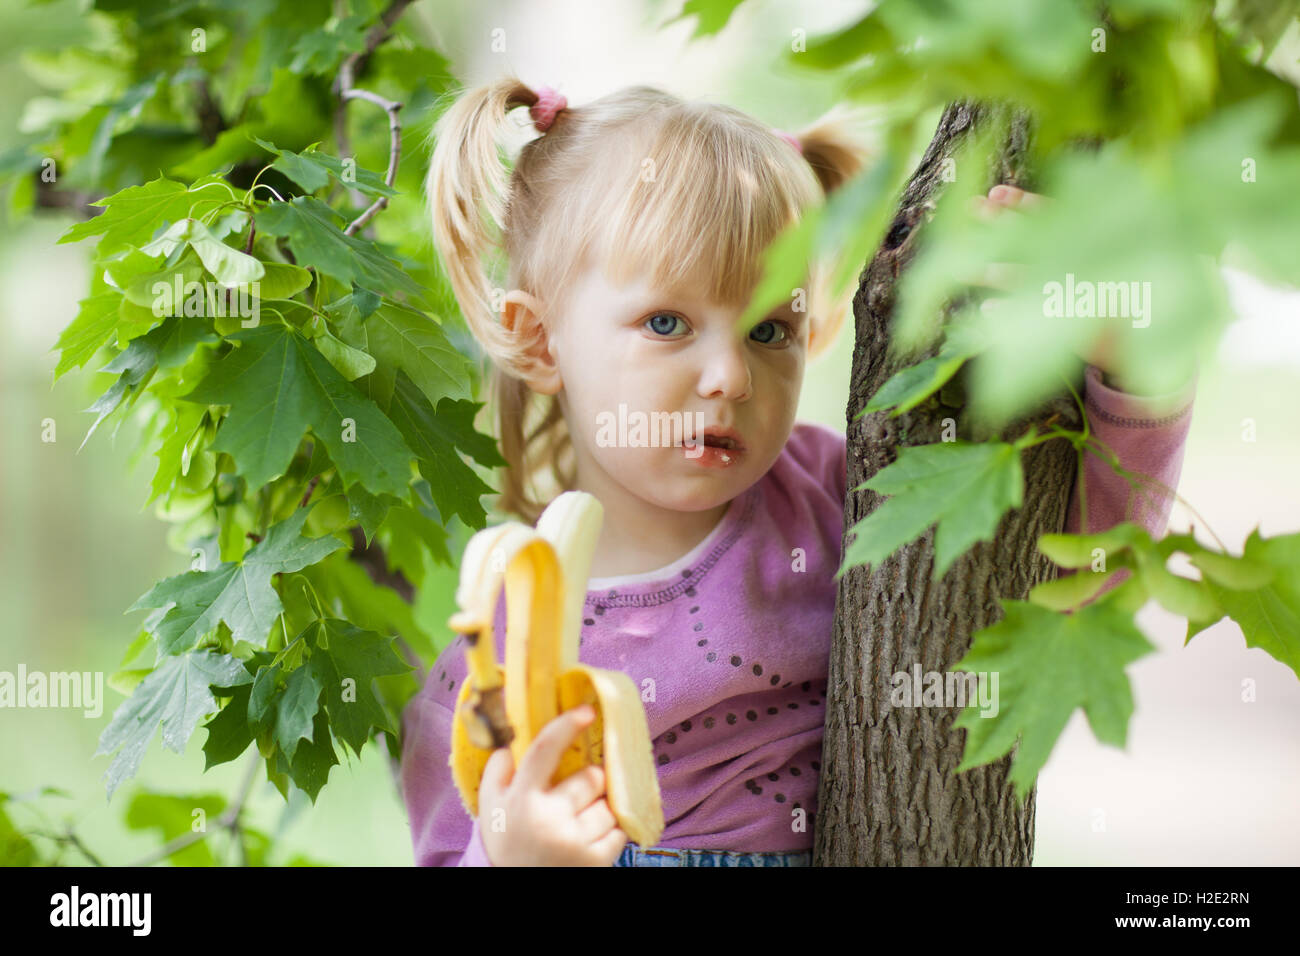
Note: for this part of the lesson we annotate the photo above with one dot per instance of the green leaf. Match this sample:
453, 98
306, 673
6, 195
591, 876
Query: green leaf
311, 228
1238, 574
312, 170
351, 363
282, 280
134, 366
368, 510
319, 51
436, 436
345, 662
1077, 550
160, 287
15, 848
230, 267
402, 338
229, 733
295, 710
175, 696
126, 681
132, 215
174, 816
964, 487
311, 763
911, 386
261, 698
277, 386
711, 15
368, 605
1046, 665
84, 336
186, 418
1071, 590
1269, 616
1176, 594
410, 533
238, 593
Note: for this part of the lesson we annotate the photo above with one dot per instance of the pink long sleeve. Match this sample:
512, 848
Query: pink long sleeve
1149, 434
443, 833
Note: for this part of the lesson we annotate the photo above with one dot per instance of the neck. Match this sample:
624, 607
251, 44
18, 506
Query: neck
638, 535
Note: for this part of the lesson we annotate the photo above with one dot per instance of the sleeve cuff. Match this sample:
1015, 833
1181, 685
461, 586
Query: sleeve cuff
475, 854
1136, 411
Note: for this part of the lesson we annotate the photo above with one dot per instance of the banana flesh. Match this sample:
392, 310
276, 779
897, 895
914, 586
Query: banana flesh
545, 571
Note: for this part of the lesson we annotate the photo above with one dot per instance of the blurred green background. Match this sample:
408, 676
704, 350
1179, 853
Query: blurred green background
1207, 778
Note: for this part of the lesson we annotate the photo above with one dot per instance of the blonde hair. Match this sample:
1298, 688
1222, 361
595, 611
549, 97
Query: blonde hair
690, 193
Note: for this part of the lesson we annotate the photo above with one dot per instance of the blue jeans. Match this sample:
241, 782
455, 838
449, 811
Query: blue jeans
634, 855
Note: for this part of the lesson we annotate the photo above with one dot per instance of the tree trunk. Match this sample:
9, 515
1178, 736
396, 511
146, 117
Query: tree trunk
887, 793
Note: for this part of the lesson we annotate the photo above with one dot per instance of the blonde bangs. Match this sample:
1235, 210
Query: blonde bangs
690, 205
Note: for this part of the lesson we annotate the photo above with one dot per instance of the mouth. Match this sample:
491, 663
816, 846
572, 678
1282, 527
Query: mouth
727, 438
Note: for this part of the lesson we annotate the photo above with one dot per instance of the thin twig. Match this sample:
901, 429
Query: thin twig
228, 820
311, 486
71, 838
355, 63
351, 67
211, 122
394, 154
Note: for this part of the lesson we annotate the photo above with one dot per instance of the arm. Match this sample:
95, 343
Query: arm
442, 832
1148, 433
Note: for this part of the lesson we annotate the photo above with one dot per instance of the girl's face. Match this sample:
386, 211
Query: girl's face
652, 351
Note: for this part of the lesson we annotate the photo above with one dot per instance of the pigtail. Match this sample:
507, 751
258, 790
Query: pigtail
835, 155
467, 188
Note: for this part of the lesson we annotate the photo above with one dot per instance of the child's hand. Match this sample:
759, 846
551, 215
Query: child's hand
1005, 197
569, 824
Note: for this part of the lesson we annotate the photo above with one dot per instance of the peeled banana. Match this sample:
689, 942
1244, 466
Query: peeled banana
545, 571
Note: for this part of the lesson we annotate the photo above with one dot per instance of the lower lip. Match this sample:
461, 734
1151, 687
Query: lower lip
710, 456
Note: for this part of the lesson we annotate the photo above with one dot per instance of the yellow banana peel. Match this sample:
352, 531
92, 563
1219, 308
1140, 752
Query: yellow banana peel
545, 571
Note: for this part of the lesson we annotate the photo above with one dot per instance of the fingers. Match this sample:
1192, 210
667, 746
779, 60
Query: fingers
543, 755
497, 774
595, 822
610, 845
581, 788
1012, 196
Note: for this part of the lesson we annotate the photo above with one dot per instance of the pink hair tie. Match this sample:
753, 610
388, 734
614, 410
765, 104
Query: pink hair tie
789, 138
549, 103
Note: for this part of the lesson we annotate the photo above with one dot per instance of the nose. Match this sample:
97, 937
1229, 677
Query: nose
726, 370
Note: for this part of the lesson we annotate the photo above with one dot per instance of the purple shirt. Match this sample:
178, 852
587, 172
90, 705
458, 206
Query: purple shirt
736, 638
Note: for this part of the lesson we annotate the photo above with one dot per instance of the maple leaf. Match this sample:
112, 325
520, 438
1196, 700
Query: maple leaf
345, 661
435, 436
316, 240
277, 386
175, 696
238, 593
1047, 664
964, 487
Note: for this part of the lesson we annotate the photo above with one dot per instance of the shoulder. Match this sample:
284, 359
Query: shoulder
813, 461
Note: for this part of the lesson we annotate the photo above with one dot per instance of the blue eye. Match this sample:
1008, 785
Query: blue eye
663, 323
785, 329
658, 327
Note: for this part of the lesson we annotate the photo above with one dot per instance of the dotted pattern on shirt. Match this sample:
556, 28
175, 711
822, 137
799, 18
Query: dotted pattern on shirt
815, 698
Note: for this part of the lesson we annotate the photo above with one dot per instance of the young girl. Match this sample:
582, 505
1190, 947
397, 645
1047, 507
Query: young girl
633, 228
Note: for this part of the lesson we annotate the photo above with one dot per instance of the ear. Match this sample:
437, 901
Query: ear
521, 314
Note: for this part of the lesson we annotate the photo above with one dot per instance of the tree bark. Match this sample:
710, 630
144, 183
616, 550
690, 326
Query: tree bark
887, 793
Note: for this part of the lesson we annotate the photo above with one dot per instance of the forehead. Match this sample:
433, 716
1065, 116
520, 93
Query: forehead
632, 288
